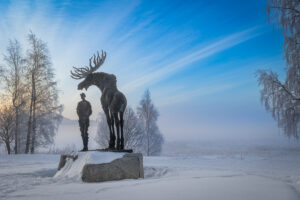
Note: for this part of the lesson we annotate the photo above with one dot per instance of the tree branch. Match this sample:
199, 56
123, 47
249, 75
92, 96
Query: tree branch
286, 8
286, 90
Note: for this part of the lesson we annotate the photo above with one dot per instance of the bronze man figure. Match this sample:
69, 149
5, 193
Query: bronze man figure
84, 110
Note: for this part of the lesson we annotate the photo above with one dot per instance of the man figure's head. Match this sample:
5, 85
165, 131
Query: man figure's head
82, 95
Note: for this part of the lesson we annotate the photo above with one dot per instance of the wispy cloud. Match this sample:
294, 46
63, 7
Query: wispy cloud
200, 91
240, 75
201, 53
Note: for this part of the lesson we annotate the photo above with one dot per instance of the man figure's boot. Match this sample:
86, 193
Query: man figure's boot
83, 143
86, 140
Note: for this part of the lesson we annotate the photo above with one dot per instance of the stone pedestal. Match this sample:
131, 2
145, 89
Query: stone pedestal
130, 166
101, 166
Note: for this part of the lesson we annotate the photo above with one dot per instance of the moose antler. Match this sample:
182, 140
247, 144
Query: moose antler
82, 72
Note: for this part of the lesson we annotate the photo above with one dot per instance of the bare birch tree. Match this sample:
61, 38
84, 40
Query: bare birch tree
43, 93
14, 85
7, 126
148, 114
134, 135
282, 98
102, 136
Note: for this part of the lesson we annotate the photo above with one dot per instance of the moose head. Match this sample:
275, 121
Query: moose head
87, 72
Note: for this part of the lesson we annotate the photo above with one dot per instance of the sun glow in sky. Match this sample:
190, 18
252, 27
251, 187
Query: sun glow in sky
198, 58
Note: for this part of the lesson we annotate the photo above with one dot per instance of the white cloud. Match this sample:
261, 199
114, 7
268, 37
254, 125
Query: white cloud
185, 61
190, 94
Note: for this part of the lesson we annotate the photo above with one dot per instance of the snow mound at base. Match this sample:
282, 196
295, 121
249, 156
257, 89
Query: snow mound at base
156, 172
73, 169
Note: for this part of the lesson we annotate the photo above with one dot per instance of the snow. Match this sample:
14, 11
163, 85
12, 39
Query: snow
215, 172
72, 169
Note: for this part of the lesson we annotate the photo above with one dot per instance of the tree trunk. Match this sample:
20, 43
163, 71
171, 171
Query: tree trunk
33, 120
15, 98
7, 147
33, 128
148, 149
29, 129
28, 138
17, 130
148, 139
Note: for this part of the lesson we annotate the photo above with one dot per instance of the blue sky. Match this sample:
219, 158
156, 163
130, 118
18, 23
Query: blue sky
198, 58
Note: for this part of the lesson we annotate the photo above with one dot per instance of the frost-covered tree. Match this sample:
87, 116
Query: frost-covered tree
282, 98
133, 131
14, 83
7, 125
102, 136
148, 114
43, 95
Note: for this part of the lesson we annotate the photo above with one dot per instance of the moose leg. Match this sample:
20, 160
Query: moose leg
122, 124
112, 136
113, 130
117, 121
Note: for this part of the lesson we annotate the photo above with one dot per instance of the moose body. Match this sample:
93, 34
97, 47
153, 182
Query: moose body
112, 100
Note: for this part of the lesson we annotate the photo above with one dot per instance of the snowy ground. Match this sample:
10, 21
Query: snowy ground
253, 172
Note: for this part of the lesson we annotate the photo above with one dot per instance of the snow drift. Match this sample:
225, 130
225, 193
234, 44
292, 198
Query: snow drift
73, 169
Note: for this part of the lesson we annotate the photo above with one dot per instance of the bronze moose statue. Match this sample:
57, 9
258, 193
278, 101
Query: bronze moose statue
113, 101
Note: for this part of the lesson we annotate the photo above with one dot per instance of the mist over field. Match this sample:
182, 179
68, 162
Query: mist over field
68, 136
